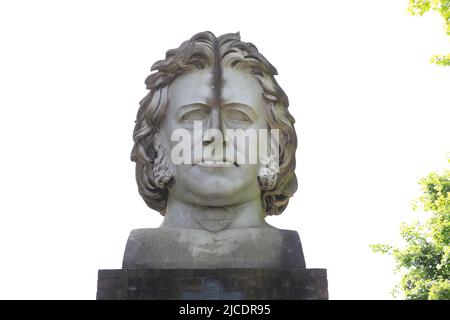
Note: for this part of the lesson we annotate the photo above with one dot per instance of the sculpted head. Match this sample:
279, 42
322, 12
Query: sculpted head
216, 83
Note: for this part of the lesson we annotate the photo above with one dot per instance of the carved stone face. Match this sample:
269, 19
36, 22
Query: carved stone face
214, 204
237, 104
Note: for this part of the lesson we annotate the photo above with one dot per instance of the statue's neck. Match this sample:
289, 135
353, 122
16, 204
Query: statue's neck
180, 214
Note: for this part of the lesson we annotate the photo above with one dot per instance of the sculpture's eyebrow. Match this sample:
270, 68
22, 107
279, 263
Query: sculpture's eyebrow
188, 107
242, 107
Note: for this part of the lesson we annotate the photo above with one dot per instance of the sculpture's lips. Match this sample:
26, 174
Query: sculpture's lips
216, 163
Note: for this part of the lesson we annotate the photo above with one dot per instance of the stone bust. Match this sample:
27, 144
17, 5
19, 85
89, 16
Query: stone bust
214, 206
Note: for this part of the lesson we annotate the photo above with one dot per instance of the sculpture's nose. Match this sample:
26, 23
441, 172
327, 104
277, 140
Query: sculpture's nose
215, 123
215, 120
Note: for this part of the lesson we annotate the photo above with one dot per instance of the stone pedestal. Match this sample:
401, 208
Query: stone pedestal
212, 284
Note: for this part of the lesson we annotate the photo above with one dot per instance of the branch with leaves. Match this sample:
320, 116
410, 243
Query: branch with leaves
420, 7
425, 260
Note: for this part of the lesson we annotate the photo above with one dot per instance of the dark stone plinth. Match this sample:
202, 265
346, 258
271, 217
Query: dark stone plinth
226, 284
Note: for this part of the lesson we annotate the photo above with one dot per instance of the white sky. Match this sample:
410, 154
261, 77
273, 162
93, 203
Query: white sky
372, 118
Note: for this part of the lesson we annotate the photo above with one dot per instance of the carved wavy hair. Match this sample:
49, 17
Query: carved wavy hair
205, 50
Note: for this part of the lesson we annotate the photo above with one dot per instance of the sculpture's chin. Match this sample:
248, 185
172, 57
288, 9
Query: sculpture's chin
215, 186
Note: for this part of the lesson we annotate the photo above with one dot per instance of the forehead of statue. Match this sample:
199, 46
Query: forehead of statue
204, 87
239, 86
193, 87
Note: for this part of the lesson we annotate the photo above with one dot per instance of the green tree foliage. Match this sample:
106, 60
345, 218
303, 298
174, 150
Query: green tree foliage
419, 7
425, 260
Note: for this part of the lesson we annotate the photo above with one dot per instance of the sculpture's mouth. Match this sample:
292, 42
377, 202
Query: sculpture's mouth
218, 164
214, 162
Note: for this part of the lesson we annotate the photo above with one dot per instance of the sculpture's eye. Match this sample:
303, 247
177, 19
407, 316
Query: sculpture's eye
195, 115
236, 116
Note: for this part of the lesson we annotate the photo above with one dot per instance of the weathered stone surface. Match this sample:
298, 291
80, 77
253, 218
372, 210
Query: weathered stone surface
206, 98
214, 242
241, 284
172, 248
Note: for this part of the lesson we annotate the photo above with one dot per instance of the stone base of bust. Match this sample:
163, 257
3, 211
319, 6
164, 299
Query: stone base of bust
212, 284
174, 248
233, 264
